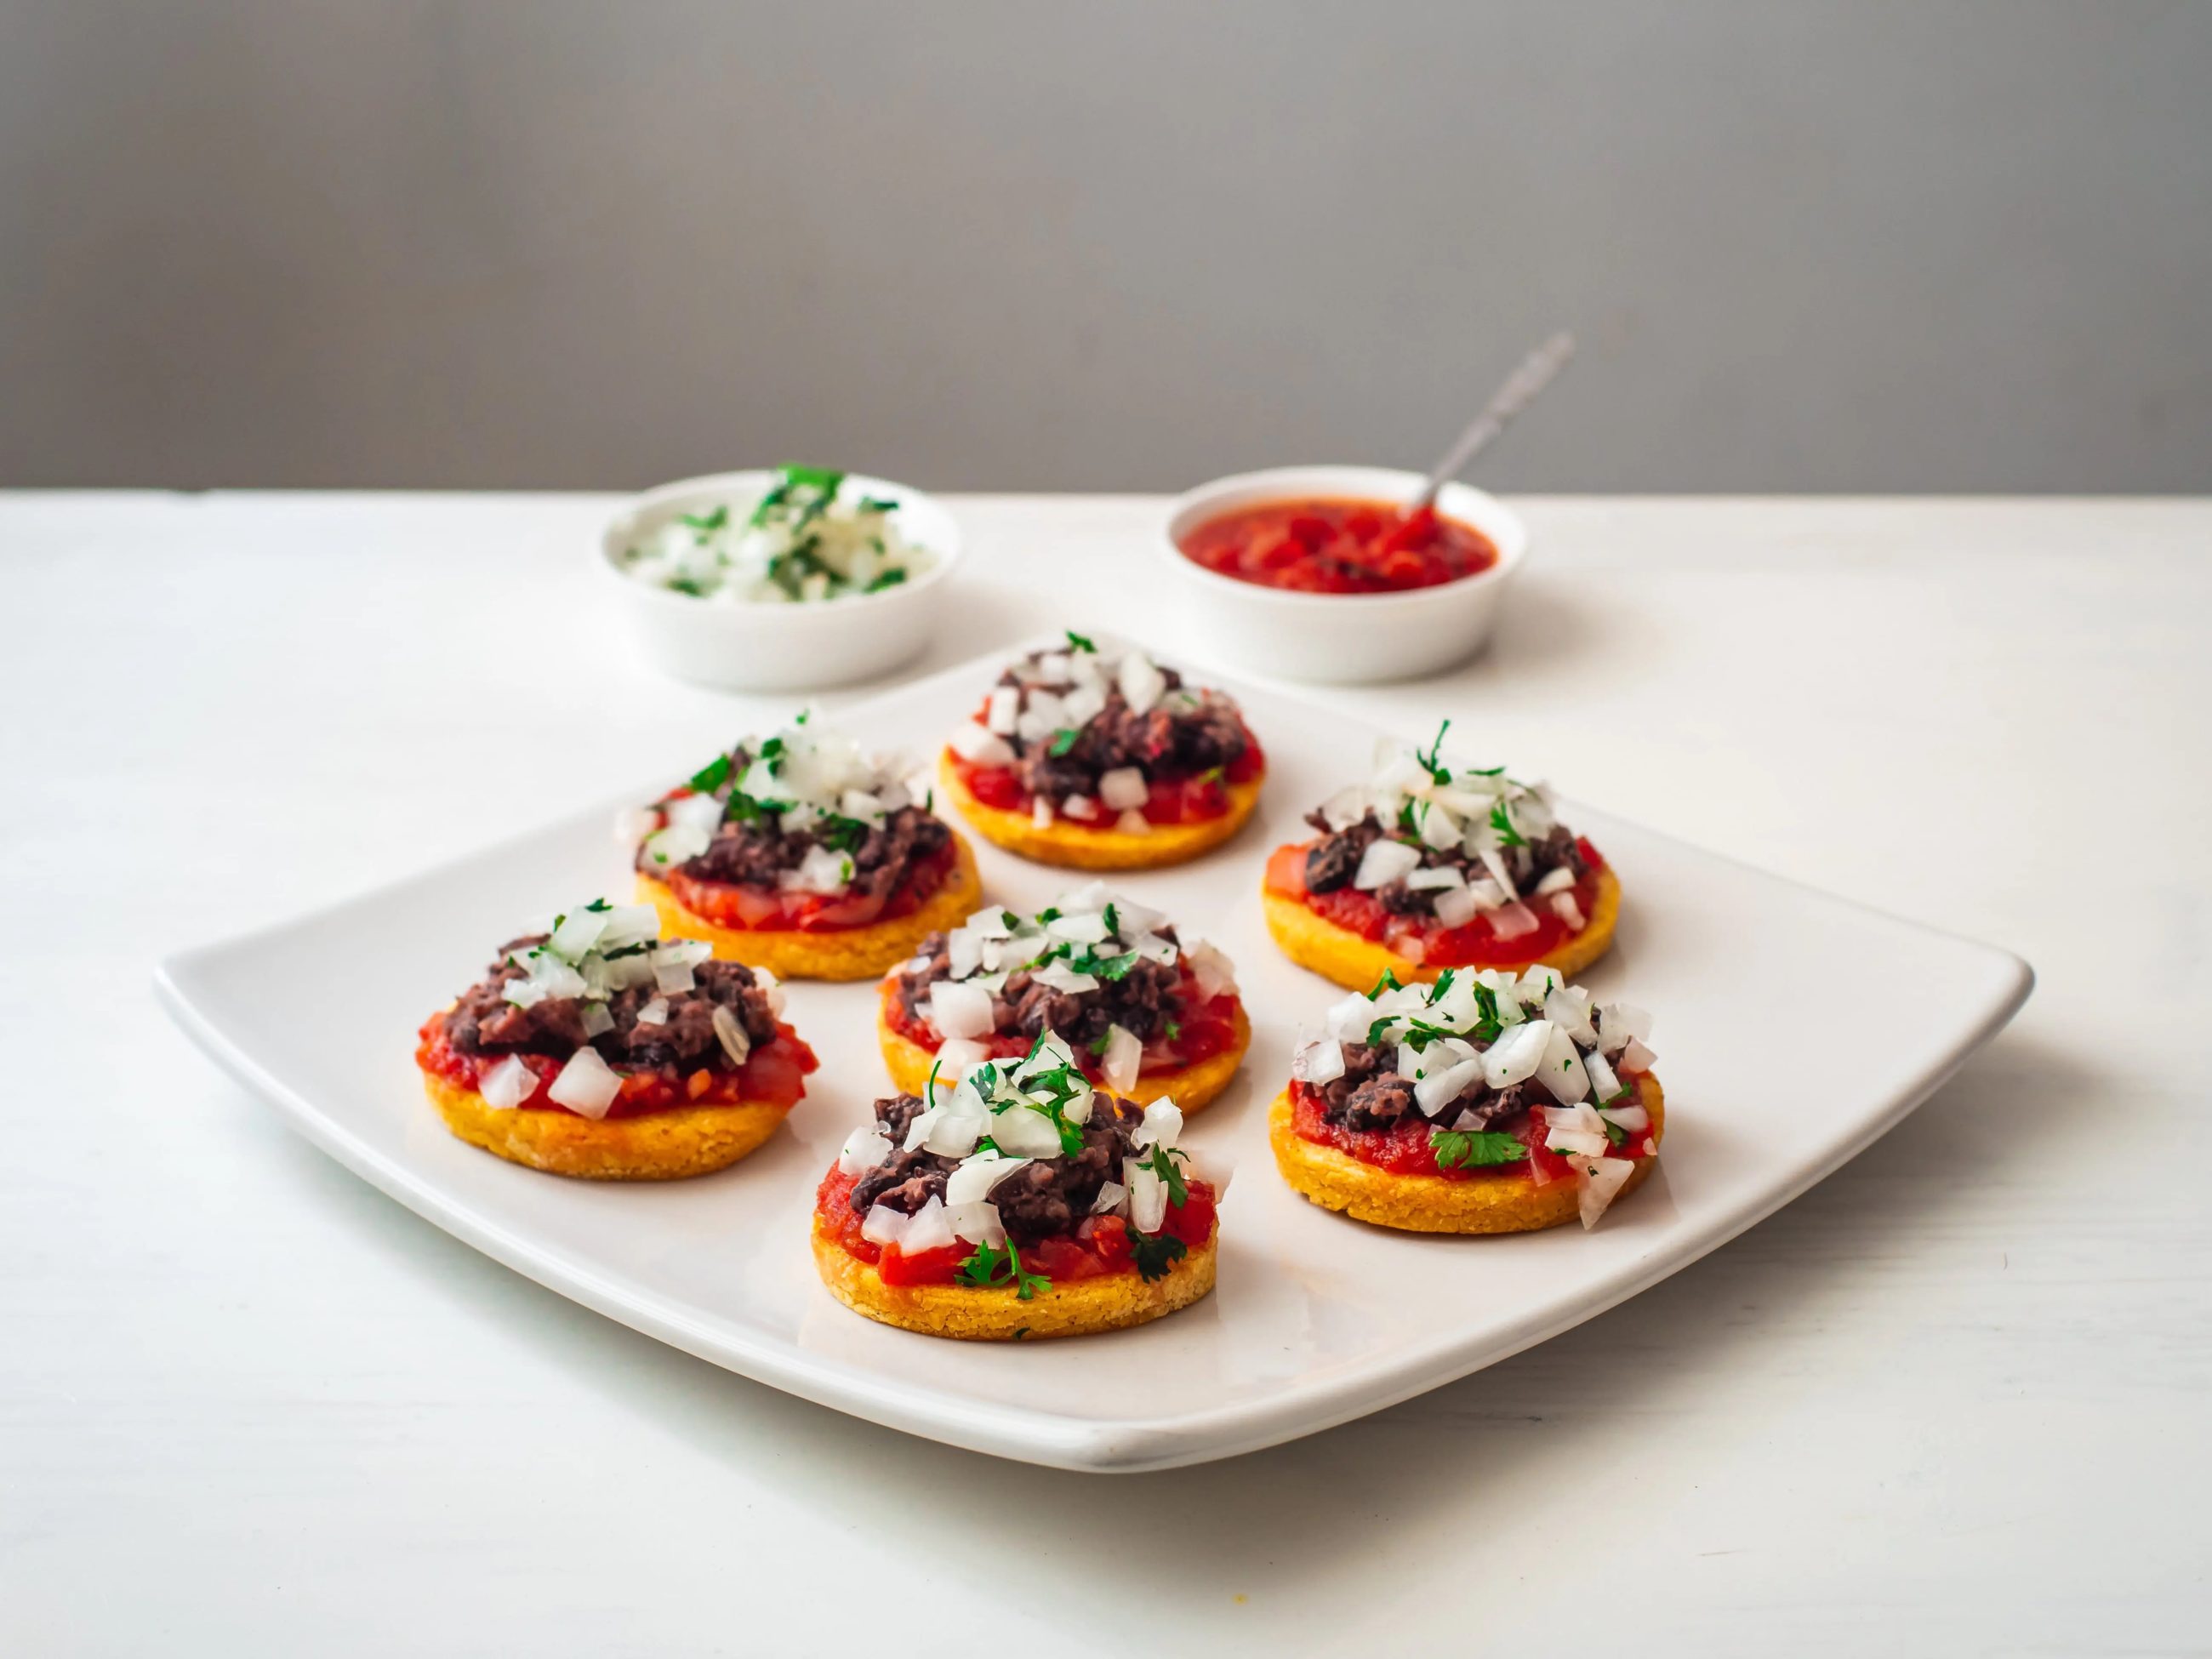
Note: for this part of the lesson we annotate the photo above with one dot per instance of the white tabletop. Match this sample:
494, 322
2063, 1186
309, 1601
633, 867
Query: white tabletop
1956, 1393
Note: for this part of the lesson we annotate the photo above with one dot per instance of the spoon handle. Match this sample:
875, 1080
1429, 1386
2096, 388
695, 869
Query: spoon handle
1521, 389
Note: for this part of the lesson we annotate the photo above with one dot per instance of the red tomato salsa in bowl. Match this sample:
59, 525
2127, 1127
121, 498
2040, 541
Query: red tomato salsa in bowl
1338, 545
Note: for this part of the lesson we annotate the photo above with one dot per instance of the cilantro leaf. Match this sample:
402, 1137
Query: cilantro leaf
713, 775
1502, 823
707, 522
890, 578
1161, 1161
999, 1267
1063, 741
1080, 643
1155, 1253
1388, 983
1432, 759
1474, 1149
741, 808
875, 504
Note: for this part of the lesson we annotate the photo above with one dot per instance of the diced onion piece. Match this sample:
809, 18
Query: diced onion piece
954, 1134
1141, 684
1021, 1132
1436, 877
1005, 703
1600, 1180
1636, 1057
1040, 813
1124, 788
1517, 1052
1112, 1195
977, 1176
884, 1226
1133, 823
579, 932
1148, 1196
1081, 808
1438, 828
1318, 1062
929, 1231
963, 949
1557, 881
980, 746
1512, 921
1383, 862
822, 871
1605, 1083
977, 1223
1081, 926
1121, 1059
1567, 910
959, 1009
1569, 1009
507, 1084
865, 1149
919, 1126
1162, 1125
1062, 978
596, 1019
587, 1086
732, 1034
955, 1058
1561, 1071
1213, 971
1630, 1120
1456, 907
654, 1012
1619, 1022
1438, 1091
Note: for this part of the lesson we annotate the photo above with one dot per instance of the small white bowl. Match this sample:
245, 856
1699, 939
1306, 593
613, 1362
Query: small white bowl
751, 647
1342, 639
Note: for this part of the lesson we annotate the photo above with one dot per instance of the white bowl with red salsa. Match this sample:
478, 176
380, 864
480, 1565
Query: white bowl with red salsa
1318, 574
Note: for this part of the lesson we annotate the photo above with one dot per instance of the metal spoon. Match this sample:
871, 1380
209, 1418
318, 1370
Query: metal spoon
1521, 389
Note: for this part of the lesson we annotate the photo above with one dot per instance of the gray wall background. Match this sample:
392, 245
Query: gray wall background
1945, 245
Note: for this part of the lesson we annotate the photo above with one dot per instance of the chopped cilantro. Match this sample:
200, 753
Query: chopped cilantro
1078, 642
685, 584
1161, 1161
1502, 821
1155, 1253
1388, 983
741, 808
1063, 741
840, 834
705, 523
713, 775
1113, 920
1474, 1149
1102, 1042
890, 578
597, 907
1174, 1030
999, 1267
1090, 961
1432, 759
875, 504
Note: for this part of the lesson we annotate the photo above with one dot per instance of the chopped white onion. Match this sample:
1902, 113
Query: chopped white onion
1456, 907
977, 1176
1006, 702
1562, 1070
587, 1086
964, 950
1567, 910
1040, 813
1568, 1008
1435, 1093
1602, 1180
1121, 1059
1081, 808
1162, 1125
1021, 1133
1124, 788
959, 1009
1212, 970
1512, 921
1062, 978
1148, 1196
1605, 1083
1133, 823
929, 1231
957, 1057
1141, 681
1383, 862
507, 1084
976, 1222
1636, 1057
1557, 881
654, 1012
1319, 1062
1112, 1195
732, 1034
596, 1019
1436, 877
954, 1133
1619, 1023
1630, 1120
1516, 1055
979, 745
884, 1226
866, 1148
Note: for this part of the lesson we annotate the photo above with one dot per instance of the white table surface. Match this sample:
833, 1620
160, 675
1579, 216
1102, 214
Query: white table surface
1954, 1399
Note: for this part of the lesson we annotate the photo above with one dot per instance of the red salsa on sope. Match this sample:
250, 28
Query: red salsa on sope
1482, 1075
1113, 978
1106, 740
1338, 546
1018, 1178
797, 831
1445, 864
599, 1016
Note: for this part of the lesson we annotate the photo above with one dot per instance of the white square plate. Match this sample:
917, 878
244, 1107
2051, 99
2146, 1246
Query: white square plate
1792, 1029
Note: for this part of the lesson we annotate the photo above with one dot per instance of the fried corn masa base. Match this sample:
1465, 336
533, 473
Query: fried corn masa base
966, 1313
1191, 1087
664, 1145
1313, 941
1506, 1201
1078, 846
835, 953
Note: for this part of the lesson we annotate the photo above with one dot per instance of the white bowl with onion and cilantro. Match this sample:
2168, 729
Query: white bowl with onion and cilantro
781, 579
